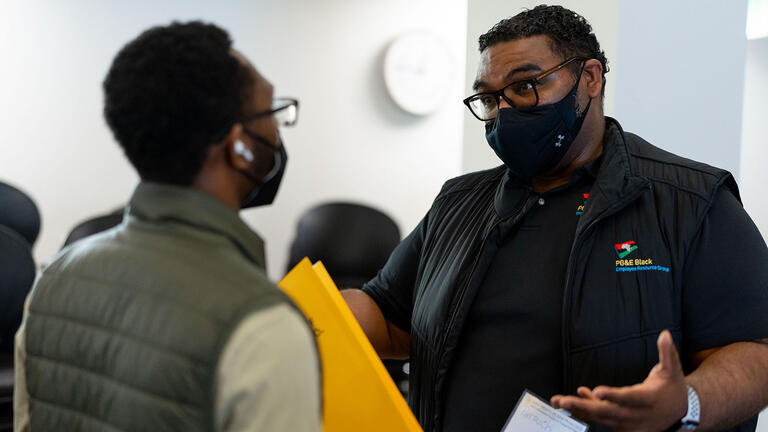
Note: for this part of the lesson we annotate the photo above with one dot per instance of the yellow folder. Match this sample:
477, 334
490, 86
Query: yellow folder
358, 393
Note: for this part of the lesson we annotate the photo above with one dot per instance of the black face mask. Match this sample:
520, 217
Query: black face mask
534, 141
265, 189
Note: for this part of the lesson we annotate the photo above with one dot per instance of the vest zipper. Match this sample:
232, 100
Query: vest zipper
452, 321
463, 289
569, 278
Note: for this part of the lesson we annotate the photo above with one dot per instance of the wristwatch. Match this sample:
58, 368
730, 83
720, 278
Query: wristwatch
691, 420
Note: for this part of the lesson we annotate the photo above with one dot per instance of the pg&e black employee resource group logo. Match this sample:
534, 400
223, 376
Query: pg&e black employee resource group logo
633, 264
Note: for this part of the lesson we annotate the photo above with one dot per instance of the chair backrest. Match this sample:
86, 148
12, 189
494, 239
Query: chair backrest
17, 273
19, 213
353, 241
93, 226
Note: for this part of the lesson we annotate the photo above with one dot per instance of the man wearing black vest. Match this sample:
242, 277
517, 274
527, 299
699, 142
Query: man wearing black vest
168, 322
580, 268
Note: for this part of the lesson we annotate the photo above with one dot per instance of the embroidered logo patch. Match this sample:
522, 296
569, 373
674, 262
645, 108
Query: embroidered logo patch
580, 209
624, 264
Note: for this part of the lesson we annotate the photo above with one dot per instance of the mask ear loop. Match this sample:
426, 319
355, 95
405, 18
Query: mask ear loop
274, 173
276, 166
578, 80
580, 116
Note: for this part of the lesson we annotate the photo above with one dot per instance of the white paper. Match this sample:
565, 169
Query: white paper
534, 415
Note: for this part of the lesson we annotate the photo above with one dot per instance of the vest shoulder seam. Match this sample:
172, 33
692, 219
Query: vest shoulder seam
223, 243
75, 412
676, 164
120, 334
112, 380
679, 187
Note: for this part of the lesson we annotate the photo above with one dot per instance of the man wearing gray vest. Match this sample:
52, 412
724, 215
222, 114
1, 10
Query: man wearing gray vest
168, 322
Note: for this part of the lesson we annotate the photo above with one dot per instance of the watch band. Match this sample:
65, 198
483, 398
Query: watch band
691, 420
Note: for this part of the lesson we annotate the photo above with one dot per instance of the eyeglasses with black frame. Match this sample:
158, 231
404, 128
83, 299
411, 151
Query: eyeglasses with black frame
285, 110
520, 94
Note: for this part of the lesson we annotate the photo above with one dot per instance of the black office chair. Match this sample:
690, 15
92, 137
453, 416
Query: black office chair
17, 273
353, 241
6, 392
19, 213
94, 225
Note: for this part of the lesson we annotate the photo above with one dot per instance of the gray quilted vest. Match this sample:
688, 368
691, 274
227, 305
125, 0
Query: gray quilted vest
125, 328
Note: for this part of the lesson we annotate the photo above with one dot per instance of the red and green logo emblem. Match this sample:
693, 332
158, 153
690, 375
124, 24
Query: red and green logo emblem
626, 248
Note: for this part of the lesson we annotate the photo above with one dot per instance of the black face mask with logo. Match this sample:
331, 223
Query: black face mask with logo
533, 141
265, 189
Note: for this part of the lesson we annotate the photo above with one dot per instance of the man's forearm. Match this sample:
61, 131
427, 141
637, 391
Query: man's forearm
388, 340
732, 384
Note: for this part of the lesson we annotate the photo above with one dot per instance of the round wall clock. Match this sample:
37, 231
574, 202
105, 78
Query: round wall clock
418, 70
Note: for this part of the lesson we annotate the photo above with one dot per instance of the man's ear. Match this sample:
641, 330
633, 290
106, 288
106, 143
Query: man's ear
236, 151
593, 77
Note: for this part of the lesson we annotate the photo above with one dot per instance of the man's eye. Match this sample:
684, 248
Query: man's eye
524, 87
488, 101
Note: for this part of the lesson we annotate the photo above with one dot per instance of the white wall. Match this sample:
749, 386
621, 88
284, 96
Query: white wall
351, 141
682, 75
482, 15
754, 144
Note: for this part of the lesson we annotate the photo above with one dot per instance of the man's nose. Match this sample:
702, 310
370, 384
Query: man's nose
503, 103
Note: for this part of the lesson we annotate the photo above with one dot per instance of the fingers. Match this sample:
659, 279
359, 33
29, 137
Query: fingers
555, 401
599, 411
585, 392
668, 357
633, 396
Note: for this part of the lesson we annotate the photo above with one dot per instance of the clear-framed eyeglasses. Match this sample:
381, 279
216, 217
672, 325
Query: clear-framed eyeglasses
521, 94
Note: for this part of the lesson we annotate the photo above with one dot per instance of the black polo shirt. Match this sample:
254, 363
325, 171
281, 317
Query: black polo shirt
512, 337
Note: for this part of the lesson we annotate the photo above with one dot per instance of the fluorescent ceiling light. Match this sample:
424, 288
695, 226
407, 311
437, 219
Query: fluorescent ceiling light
757, 19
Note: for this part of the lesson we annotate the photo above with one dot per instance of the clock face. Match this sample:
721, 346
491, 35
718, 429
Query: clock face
418, 70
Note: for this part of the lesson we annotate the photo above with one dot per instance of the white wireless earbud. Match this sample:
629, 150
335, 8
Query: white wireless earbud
242, 151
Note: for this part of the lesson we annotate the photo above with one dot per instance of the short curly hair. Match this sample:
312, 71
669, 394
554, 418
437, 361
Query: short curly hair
570, 33
172, 93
